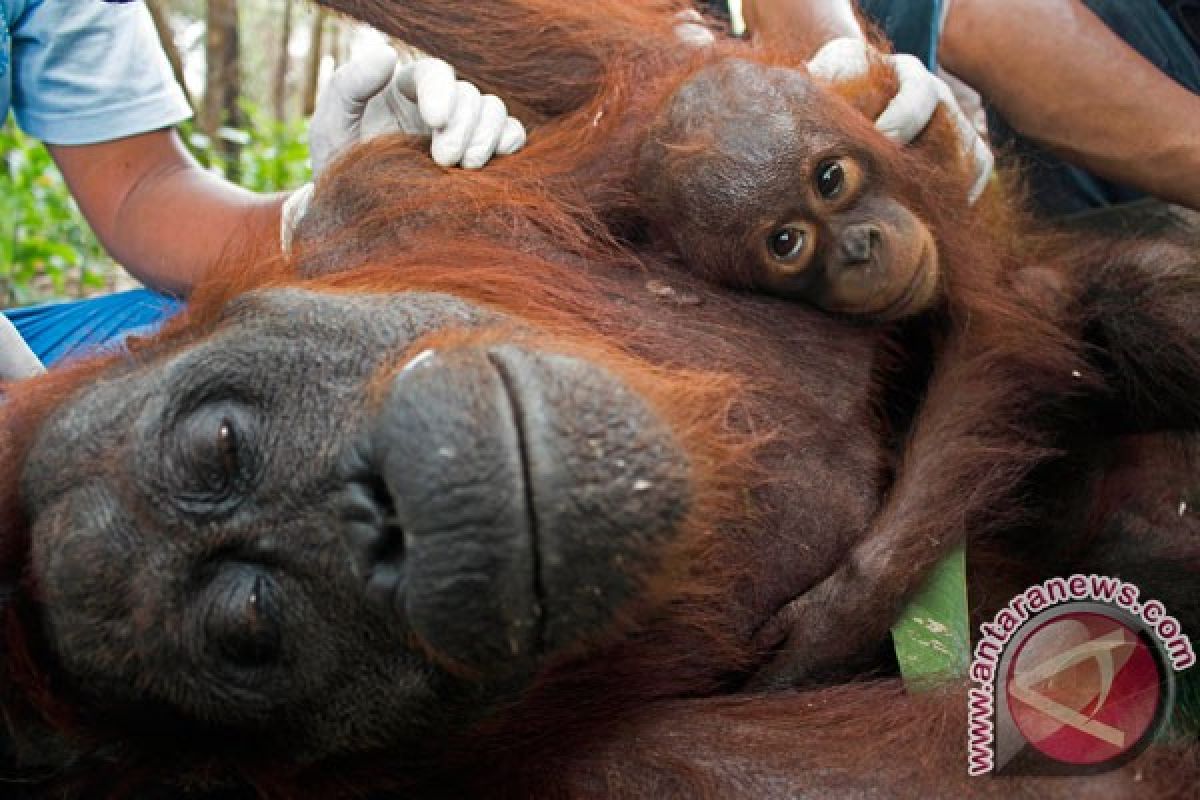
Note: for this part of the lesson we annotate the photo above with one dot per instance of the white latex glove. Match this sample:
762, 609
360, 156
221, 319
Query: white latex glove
372, 94
919, 95
692, 30
17, 361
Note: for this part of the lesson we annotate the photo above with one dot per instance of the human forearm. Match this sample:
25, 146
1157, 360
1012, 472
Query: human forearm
800, 25
162, 216
1060, 77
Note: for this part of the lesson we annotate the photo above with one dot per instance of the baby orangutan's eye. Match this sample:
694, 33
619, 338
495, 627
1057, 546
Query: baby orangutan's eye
831, 179
786, 243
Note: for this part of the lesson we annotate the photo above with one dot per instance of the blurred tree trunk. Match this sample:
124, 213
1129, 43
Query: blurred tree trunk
166, 35
222, 80
313, 75
279, 93
337, 48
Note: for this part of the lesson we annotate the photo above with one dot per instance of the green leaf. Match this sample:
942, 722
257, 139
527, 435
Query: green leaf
932, 638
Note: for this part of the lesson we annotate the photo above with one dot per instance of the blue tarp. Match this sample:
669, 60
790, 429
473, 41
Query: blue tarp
58, 330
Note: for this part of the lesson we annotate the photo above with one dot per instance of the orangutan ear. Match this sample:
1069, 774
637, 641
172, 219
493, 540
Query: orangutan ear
870, 93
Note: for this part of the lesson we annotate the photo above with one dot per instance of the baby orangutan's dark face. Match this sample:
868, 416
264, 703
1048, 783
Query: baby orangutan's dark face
764, 180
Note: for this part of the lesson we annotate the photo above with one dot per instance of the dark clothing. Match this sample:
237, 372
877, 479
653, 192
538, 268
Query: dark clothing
715, 8
910, 25
1186, 14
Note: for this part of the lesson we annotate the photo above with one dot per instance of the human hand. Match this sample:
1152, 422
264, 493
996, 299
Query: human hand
692, 30
920, 94
371, 95
17, 361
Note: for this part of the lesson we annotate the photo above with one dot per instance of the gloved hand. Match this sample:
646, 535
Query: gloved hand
371, 95
692, 30
920, 94
17, 361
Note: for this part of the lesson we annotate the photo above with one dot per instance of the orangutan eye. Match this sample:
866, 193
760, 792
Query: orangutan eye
242, 622
214, 443
786, 243
227, 447
212, 457
831, 179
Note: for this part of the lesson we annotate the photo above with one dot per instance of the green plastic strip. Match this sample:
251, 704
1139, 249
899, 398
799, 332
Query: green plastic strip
932, 638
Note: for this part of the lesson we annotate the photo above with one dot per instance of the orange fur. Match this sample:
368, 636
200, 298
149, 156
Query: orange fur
546, 237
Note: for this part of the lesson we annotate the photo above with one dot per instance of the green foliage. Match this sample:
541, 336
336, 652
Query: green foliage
47, 250
272, 156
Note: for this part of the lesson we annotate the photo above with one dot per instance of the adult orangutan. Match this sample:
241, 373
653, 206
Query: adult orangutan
480, 492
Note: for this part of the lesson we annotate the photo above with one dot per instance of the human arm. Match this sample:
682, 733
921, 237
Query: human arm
91, 81
159, 213
1060, 77
801, 25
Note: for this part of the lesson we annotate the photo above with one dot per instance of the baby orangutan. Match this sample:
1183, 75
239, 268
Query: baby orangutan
759, 177
759, 180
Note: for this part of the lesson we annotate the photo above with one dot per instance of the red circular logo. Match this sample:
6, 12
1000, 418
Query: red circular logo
1084, 688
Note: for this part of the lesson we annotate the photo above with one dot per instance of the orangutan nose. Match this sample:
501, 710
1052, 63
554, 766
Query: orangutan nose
859, 242
504, 501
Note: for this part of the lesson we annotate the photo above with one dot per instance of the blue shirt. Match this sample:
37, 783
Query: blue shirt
85, 71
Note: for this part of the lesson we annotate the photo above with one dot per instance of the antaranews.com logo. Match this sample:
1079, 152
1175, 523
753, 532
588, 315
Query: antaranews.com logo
1074, 676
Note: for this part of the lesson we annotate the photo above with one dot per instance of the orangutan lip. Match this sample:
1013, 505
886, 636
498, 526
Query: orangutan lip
444, 528
900, 306
513, 393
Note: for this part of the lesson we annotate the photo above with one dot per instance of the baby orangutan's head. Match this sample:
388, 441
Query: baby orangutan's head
761, 178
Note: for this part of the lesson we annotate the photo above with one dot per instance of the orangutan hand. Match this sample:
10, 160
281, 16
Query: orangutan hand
828, 631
